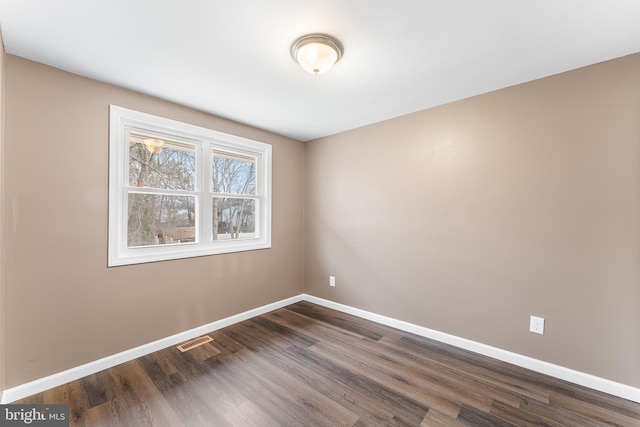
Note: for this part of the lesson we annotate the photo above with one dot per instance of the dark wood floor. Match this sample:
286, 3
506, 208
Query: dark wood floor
306, 365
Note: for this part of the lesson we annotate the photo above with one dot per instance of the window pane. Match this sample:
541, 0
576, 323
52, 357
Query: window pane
160, 163
233, 173
156, 219
234, 218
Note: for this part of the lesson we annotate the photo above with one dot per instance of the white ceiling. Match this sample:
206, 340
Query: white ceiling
231, 58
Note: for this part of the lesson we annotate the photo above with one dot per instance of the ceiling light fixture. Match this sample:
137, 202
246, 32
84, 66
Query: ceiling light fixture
316, 53
153, 145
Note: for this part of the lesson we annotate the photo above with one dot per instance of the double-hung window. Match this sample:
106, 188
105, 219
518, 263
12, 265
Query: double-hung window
178, 190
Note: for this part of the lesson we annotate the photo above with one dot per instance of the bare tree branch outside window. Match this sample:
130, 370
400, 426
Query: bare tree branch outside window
155, 218
177, 190
234, 176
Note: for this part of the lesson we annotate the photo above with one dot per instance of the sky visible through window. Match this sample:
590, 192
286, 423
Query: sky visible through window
158, 218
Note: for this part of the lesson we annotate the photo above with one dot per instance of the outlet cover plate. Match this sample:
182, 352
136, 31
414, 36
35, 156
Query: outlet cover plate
536, 325
332, 280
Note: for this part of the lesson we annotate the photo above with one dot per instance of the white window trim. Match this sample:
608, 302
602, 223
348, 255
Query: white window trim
122, 119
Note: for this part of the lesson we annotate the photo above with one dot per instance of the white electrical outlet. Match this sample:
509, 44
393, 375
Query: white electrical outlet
536, 325
332, 280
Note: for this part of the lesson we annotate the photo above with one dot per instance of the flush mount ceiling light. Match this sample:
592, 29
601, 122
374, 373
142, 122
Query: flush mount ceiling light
154, 145
316, 53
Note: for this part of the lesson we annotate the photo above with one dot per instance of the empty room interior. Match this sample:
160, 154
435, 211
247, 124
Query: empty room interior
438, 223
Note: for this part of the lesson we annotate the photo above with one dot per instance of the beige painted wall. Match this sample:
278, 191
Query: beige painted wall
64, 307
2, 54
470, 217
465, 218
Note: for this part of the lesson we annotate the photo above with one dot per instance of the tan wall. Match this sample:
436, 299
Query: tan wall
2, 388
64, 307
465, 218
470, 217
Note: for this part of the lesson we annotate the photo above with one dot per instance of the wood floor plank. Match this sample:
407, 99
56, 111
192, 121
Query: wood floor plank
605, 401
147, 404
301, 393
225, 344
204, 352
558, 416
395, 383
462, 388
455, 380
259, 334
307, 365
410, 376
369, 410
438, 419
363, 351
100, 416
597, 413
98, 388
187, 391
341, 321
444, 355
298, 406
267, 408
473, 416
233, 404
406, 408
72, 394
315, 329
327, 332
520, 416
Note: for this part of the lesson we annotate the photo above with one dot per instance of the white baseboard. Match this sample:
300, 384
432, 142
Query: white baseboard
42, 384
576, 377
607, 386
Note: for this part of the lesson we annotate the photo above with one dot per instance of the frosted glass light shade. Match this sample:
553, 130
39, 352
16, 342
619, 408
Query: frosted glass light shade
153, 145
316, 53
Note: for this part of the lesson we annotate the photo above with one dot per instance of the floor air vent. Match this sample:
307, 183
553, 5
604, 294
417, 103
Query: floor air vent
194, 343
